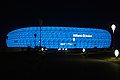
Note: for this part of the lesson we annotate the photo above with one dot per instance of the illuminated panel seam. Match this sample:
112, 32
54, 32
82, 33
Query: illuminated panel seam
59, 37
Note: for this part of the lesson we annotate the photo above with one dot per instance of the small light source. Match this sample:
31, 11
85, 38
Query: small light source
59, 49
116, 53
42, 49
73, 39
62, 48
83, 50
39, 41
113, 28
46, 49
66, 49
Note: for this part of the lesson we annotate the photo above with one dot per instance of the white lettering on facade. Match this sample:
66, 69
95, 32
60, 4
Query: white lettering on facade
66, 43
81, 35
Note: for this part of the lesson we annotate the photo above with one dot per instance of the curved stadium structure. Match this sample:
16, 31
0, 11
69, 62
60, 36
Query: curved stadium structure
59, 37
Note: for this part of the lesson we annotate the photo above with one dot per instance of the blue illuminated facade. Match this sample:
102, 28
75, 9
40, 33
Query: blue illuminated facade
59, 37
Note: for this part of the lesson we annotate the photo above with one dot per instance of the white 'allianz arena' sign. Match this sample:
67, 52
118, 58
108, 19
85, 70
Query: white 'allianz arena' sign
81, 35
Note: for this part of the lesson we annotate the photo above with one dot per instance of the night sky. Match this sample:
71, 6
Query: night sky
85, 13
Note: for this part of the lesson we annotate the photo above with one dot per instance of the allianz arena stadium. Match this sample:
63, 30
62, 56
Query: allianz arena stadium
59, 37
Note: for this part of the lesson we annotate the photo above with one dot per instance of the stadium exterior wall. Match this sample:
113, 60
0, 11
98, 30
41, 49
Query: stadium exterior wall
59, 37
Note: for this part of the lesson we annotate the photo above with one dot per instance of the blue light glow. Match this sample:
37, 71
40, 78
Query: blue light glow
59, 37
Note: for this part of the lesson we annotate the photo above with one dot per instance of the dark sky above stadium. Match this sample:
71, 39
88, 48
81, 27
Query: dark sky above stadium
84, 13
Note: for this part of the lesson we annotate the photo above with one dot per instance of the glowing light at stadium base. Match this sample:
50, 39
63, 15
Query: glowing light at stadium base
42, 49
83, 50
59, 49
66, 49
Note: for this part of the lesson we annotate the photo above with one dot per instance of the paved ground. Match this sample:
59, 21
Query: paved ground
35, 66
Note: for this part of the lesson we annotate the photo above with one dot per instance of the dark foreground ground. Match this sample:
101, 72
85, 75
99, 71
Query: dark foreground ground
34, 66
